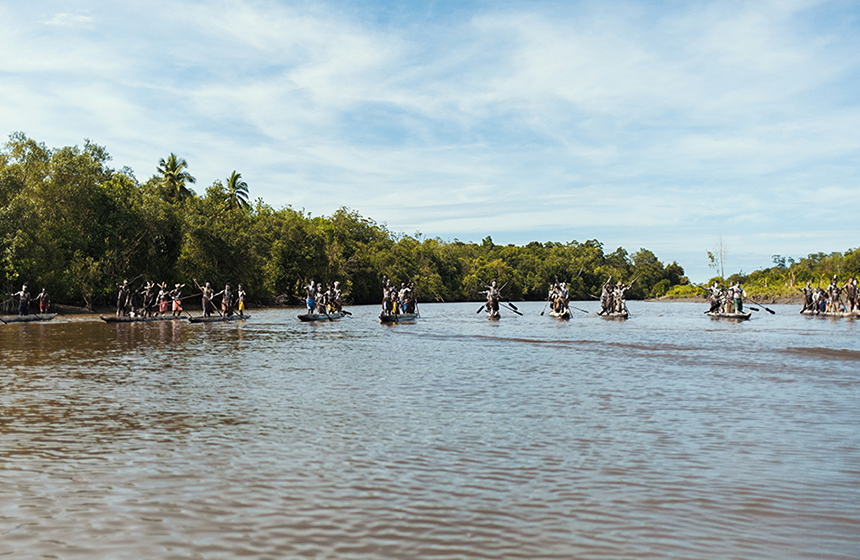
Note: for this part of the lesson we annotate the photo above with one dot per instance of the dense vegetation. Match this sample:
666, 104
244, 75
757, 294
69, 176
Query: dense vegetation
788, 276
75, 226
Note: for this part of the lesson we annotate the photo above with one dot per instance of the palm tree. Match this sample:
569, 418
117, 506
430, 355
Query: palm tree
174, 177
237, 193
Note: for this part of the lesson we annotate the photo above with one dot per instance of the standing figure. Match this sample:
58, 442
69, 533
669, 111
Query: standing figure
122, 298
163, 298
206, 297
738, 296
148, 298
44, 301
833, 291
311, 290
23, 300
176, 297
493, 294
240, 294
606, 296
807, 297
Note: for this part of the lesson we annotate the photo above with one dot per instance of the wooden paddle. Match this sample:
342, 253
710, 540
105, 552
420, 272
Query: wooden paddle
514, 309
771, 311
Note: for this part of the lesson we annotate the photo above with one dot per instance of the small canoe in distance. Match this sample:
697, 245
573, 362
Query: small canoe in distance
561, 315
397, 317
218, 318
27, 318
311, 317
154, 319
614, 315
494, 315
729, 316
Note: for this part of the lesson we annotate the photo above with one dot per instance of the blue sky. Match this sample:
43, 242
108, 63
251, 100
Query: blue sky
664, 125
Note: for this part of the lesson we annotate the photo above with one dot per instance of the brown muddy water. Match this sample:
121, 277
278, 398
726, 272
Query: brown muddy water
670, 435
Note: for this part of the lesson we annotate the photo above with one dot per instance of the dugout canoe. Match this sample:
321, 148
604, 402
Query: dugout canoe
621, 316
397, 318
218, 318
160, 318
562, 316
812, 313
33, 317
494, 315
311, 317
729, 316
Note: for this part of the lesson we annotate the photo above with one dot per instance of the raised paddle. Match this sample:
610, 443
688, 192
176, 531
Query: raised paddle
480, 308
514, 307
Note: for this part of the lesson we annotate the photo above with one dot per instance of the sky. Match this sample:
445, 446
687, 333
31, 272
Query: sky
667, 125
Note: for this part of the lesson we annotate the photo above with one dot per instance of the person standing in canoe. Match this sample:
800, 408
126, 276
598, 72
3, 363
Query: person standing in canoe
834, 291
23, 300
163, 298
240, 295
606, 297
176, 297
44, 301
807, 297
122, 298
493, 294
206, 299
310, 301
738, 294
336, 297
226, 300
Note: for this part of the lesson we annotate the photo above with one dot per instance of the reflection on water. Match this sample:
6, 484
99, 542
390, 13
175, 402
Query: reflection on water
669, 435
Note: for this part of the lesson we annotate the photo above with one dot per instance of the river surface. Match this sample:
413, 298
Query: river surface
670, 435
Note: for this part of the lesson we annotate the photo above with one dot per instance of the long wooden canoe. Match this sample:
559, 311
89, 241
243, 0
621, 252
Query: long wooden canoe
311, 317
729, 316
218, 318
813, 313
397, 317
158, 318
614, 315
27, 318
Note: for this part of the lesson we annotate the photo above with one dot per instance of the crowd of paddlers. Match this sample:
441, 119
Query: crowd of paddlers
147, 301
398, 301
323, 298
832, 299
726, 300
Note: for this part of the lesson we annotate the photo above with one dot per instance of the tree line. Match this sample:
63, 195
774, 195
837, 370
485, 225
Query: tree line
72, 224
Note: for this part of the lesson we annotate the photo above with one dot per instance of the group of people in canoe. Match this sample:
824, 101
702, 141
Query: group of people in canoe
559, 298
24, 300
832, 299
149, 302
398, 300
323, 298
613, 298
726, 301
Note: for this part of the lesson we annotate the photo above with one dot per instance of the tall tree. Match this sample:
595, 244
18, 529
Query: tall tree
236, 196
174, 177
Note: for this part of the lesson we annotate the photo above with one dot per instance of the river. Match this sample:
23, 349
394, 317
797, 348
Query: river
670, 435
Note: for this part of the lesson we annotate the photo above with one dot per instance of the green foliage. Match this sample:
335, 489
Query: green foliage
70, 223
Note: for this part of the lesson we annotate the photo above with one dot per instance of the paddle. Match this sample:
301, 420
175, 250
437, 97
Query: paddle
578, 309
480, 308
544, 308
771, 311
514, 309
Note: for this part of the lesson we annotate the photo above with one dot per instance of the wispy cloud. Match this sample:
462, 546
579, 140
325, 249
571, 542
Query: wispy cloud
524, 119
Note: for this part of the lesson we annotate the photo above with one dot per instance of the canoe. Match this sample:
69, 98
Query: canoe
563, 316
160, 318
27, 318
493, 315
218, 318
623, 315
397, 318
812, 313
310, 317
729, 316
